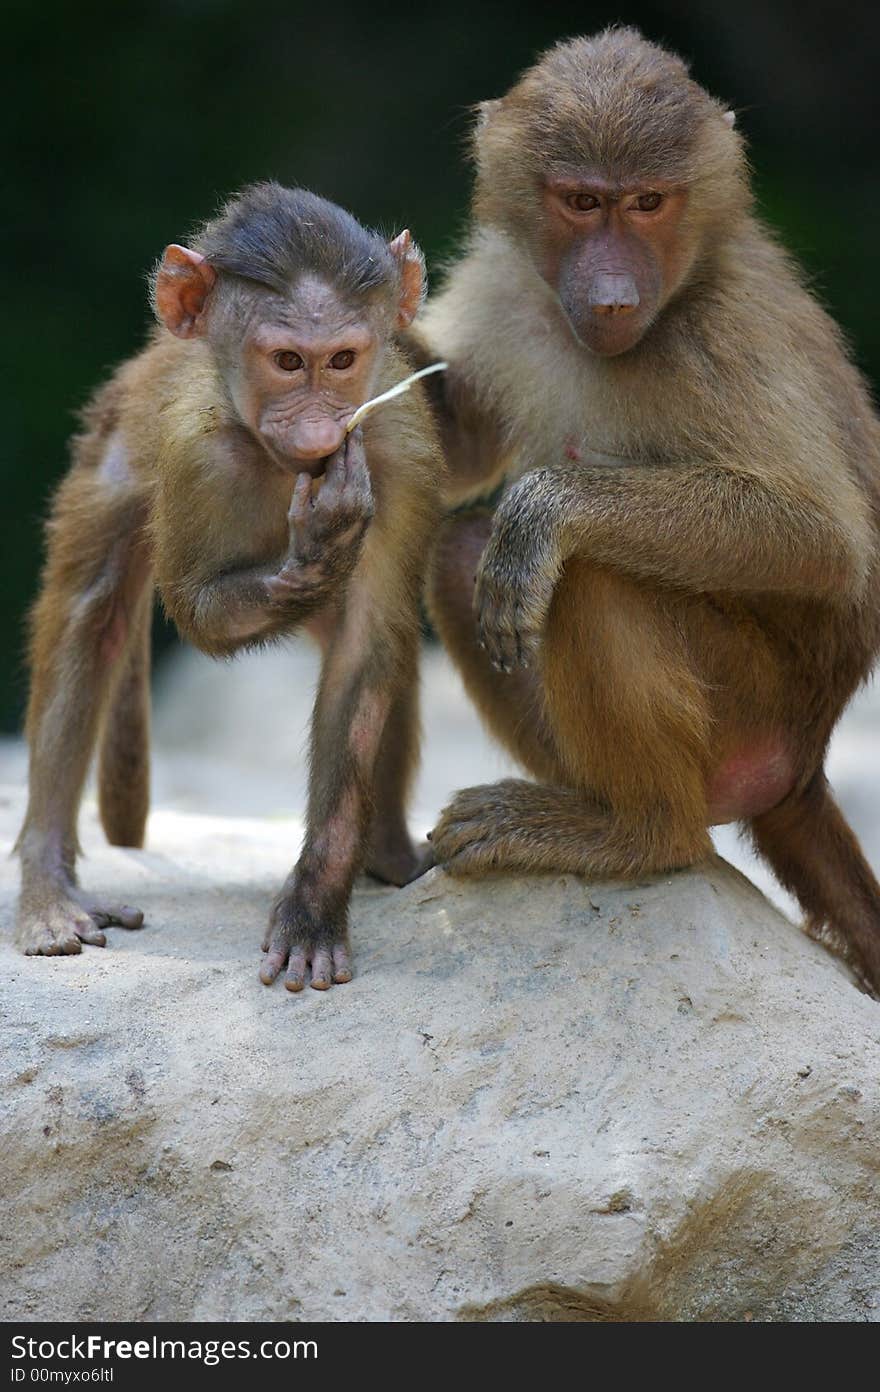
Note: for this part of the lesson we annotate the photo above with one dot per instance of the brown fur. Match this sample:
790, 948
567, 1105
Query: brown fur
124, 742
688, 544
167, 489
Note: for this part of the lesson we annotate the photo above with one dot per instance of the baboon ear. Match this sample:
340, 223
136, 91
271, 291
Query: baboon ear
183, 282
730, 118
412, 277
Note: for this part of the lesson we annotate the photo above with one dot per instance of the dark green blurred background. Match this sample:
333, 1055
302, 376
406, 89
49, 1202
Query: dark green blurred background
129, 121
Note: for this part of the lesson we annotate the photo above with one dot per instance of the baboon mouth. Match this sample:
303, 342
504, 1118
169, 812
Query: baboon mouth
611, 340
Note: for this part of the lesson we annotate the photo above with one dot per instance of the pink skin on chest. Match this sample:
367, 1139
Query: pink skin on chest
749, 782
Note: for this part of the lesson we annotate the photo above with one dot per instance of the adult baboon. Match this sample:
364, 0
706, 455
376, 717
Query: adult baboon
686, 554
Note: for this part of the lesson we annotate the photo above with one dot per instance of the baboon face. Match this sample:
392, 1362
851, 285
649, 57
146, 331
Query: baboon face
298, 371
615, 173
296, 362
612, 253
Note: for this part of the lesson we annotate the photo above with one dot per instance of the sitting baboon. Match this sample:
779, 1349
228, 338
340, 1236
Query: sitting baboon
678, 591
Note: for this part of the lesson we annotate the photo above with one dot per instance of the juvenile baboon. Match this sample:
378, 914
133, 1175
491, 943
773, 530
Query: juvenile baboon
196, 472
678, 592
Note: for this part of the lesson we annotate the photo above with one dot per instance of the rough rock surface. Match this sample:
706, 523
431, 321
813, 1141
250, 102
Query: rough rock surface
537, 1099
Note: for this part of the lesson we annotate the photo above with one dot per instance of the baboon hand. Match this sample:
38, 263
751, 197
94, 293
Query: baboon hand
514, 587
299, 938
326, 531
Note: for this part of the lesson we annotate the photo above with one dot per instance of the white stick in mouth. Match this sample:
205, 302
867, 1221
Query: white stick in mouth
398, 390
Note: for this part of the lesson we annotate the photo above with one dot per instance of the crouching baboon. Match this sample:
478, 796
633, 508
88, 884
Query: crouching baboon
678, 591
219, 466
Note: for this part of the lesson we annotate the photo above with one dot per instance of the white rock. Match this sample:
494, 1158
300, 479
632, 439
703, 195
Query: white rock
537, 1099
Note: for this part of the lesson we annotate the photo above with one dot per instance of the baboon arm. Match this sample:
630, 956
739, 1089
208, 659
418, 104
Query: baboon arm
700, 527
371, 663
476, 458
221, 608
223, 612
371, 659
210, 574
358, 686
473, 441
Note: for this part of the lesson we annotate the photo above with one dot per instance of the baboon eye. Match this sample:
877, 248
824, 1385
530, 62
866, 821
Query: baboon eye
649, 202
342, 360
582, 202
289, 362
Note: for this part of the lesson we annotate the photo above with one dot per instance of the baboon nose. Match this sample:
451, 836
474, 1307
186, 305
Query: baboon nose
613, 294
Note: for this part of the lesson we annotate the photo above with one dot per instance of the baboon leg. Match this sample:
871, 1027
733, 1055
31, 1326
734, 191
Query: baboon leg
391, 855
511, 706
816, 856
124, 760
94, 581
628, 716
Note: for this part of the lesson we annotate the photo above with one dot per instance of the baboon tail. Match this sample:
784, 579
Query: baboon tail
124, 758
815, 854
